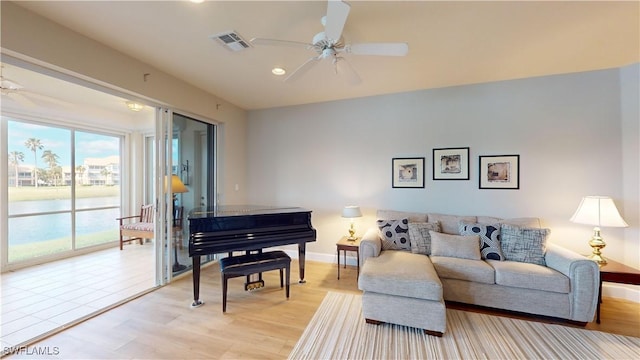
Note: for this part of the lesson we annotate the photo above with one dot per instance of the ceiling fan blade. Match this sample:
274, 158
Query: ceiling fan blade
276, 42
381, 49
347, 72
337, 13
20, 99
302, 69
9, 85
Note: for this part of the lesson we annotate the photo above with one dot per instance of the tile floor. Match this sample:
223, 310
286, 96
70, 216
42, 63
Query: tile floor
44, 298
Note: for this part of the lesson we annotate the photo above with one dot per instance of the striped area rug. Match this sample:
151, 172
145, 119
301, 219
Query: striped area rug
338, 331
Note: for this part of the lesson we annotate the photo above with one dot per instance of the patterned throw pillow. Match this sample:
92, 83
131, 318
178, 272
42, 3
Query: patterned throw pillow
524, 244
489, 238
420, 237
394, 234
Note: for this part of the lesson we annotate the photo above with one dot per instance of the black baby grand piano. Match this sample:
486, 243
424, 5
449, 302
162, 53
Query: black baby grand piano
228, 228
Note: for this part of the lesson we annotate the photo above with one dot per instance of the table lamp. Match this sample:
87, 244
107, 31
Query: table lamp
598, 211
351, 212
177, 187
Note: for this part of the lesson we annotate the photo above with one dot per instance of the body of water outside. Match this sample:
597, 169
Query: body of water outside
39, 228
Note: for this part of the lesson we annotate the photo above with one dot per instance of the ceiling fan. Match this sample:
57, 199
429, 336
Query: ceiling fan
16, 92
329, 44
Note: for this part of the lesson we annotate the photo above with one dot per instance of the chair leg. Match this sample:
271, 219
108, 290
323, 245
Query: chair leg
121, 241
281, 278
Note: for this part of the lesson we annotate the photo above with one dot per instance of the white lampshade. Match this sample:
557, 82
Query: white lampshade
598, 211
351, 212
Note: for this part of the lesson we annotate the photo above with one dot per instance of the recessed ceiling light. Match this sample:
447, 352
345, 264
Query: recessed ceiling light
197, 1
134, 106
278, 71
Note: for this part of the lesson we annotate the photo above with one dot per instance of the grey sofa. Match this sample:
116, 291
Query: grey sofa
409, 287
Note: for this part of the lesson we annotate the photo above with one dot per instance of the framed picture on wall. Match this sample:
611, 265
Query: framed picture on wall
451, 164
407, 172
500, 172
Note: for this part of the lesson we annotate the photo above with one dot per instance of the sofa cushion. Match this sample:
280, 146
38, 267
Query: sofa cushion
531, 222
487, 220
459, 246
489, 238
524, 221
394, 234
420, 238
449, 223
524, 244
393, 214
529, 276
401, 273
463, 269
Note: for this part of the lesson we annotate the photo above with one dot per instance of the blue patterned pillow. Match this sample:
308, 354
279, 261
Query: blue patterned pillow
524, 244
394, 234
490, 247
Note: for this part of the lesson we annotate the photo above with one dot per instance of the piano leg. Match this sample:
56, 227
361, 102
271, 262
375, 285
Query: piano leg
196, 281
301, 254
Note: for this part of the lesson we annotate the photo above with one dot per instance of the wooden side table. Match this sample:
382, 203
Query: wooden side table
619, 273
348, 245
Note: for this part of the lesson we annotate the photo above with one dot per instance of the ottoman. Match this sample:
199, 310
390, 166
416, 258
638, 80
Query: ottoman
403, 288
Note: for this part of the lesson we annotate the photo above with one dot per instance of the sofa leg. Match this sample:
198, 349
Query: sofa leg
373, 322
577, 323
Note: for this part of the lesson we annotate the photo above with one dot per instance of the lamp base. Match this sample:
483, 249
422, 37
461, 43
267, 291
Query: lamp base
597, 243
178, 267
598, 258
352, 233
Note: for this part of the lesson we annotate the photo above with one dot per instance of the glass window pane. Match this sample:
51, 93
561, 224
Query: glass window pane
95, 227
39, 235
97, 170
39, 171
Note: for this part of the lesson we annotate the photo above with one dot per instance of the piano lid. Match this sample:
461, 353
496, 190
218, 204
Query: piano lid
241, 210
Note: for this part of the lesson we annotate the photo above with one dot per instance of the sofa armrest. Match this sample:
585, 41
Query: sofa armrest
370, 245
584, 279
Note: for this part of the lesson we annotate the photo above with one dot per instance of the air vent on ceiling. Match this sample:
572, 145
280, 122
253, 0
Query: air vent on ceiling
231, 40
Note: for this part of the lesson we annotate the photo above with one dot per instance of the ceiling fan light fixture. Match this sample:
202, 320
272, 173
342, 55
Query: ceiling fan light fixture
134, 106
330, 44
278, 71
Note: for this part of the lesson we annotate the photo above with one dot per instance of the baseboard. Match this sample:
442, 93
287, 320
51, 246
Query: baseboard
326, 258
619, 291
626, 292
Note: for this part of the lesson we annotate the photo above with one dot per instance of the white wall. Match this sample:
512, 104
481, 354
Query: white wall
567, 130
630, 106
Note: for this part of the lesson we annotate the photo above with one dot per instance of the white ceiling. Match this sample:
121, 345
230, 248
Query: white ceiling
43, 96
450, 42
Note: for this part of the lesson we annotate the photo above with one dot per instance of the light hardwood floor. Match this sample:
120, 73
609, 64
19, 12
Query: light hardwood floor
43, 298
258, 324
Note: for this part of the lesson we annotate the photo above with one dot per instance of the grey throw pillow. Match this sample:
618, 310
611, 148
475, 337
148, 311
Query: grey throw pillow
394, 234
490, 247
524, 244
420, 238
458, 246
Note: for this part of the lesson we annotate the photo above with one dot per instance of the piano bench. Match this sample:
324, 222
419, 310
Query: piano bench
245, 265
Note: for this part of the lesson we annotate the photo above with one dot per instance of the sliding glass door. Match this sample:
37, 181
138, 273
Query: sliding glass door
62, 184
192, 154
